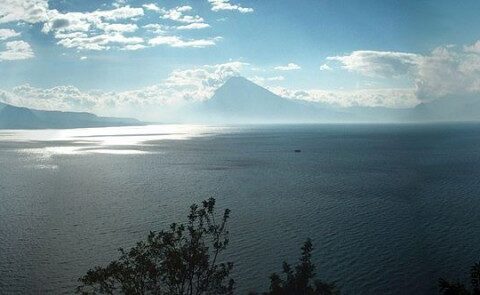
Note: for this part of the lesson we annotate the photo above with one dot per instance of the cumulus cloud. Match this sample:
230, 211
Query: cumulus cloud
325, 67
122, 28
178, 14
7, 34
378, 63
152, 7
94, 30
201, 82
56, 98
156, 28
218, 5
288, 67
179, 88
29, 11
99, 42
474, 48
114, 28
193, 26
84, 21
446, 71
133, 47
16, 50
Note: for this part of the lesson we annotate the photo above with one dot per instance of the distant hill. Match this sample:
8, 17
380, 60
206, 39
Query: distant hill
12, 117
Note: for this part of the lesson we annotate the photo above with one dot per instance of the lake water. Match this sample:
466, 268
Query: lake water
390, 208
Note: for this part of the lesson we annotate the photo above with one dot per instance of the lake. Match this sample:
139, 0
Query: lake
390, 208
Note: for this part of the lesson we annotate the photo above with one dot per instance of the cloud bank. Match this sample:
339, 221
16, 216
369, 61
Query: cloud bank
106, 29
181, 87
446, 71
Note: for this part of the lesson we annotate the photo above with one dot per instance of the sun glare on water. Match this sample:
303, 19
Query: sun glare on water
44, 144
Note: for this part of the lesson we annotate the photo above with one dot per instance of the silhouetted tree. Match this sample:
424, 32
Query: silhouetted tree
300, 279
457, 288
182, 260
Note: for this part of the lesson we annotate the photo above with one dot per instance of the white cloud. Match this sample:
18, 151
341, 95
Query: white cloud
94, 30
175, 41
378, 63
203, 80
181, 87
325, 67
83, 58
84, 21
29, 11
218, 5
8, 33
445, 72
392, 98
152, 7
113, 28
448, 71
119, 3
125, 12
193, 26
156, 28
288, 67
178, 14
16, 50
474, 48
99, 42
124, 28
133, 47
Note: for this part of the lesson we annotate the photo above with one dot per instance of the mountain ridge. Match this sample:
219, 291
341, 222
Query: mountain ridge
13, 117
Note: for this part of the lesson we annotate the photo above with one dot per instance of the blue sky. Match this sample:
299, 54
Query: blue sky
346, 53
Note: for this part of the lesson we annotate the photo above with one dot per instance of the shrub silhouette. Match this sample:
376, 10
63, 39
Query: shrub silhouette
182, 260
457, 288
300, 280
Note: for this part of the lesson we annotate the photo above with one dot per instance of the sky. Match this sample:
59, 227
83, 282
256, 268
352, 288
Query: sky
142, 58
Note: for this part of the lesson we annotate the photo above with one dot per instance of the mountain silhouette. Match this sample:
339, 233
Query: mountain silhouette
240, 100
12, 117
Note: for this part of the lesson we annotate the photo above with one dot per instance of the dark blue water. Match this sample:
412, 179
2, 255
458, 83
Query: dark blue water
390, 208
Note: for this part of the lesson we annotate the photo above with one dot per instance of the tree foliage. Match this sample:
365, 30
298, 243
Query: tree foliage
181, 260
300, 280
457, 288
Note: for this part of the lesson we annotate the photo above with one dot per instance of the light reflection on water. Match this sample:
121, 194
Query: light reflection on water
130, 140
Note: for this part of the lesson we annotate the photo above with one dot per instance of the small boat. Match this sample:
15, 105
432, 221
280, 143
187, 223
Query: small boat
297, 151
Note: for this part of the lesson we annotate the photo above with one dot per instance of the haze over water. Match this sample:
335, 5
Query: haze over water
389, 208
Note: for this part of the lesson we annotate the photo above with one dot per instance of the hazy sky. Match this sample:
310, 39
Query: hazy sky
117, 56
